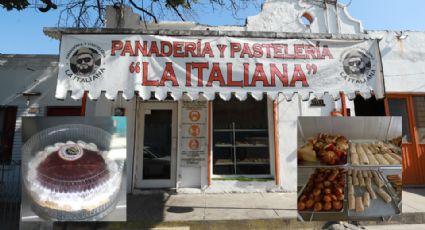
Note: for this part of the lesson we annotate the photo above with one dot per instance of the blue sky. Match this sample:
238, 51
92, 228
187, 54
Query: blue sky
22, 31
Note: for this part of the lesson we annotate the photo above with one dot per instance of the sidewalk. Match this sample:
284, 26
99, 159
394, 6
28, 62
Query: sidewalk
199, 207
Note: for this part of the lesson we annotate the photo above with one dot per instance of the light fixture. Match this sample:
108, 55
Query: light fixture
28, 95
401, 35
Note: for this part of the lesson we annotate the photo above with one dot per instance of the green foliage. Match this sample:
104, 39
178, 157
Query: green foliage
14, 4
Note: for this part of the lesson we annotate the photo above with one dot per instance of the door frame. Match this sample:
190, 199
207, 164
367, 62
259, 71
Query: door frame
414, 139
141, 106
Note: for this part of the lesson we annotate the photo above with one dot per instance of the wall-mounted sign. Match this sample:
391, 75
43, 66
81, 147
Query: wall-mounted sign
193, 134
165, 64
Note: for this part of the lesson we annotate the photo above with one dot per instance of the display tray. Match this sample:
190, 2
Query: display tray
323, 211
377, 207
319, 164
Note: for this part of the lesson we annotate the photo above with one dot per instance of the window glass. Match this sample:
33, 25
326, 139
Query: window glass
240, 140
398, 107
419, 111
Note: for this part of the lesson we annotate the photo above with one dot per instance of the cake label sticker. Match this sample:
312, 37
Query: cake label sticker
71, 152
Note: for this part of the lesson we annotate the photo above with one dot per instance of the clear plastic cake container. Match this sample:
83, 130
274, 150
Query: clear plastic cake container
89, 204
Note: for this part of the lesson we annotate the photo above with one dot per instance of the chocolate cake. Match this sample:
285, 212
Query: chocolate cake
72, 169
73, 177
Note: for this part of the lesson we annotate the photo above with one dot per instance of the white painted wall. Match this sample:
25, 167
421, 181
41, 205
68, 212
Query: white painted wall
403, 60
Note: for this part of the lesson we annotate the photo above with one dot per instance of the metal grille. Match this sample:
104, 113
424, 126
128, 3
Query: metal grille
10, 194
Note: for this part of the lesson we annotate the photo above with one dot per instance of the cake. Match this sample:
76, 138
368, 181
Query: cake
72, 177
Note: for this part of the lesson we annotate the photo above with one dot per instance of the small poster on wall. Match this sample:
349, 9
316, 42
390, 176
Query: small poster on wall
194, 133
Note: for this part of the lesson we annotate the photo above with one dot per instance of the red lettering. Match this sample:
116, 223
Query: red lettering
298, 76
178, 48
246, 74
167, 52
230, 81
298, 51
234, 48
268, 47
154, 50
143, 49
258, 50
116, 45
221, 48
278, 53
283, 77
127, 49
215, 75
326, 52
190, 48
207, 50
246, 50
200, 66
310, 51
169, 75
259, 75
146, 81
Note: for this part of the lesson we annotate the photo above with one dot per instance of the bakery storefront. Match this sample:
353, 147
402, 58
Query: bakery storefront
215, 111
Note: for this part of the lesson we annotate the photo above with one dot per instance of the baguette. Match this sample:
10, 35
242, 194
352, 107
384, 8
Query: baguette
369, 174
366, 199
361, 181
395, 156
390, 159
350, 180
372, 159
383, 195
381, 159
359, 204
364, 173
377, 180
371, 192
355, 181
351, 202
355, 160
350, 189
350, 171
362, 154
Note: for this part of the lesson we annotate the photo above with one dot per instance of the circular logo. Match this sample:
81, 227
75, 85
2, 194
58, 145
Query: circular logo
71, 152
194, 115
358, 65
85, 61
194, 130
193, 144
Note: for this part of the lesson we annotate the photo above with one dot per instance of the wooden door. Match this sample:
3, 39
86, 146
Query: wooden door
410, 107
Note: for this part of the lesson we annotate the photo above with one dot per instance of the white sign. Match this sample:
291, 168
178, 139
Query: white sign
194, 134
193, 65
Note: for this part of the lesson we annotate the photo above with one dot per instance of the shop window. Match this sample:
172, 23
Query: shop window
398, 107
63, 111
419, 108
7, 132
240, 137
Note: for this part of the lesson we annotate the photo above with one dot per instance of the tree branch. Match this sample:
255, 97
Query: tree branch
144, 11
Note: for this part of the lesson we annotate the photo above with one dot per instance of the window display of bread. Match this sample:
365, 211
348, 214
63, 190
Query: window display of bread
72, 177
378, 153
328, 149
324, 191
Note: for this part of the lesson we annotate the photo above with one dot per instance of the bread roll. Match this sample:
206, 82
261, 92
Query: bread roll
364, 173
369, 174
366, 199
350, 172
359, 204
355, 171
383, 195
351, 202
371, 192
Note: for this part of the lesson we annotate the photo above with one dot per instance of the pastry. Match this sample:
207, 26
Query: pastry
383, 195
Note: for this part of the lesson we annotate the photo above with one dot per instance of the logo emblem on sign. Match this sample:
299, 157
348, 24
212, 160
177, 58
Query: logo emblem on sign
358, 66
85, 63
